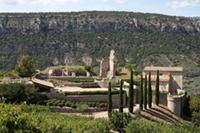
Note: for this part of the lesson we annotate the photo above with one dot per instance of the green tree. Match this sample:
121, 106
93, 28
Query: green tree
145, 92
130, 97
157, 89
88, 68
118, 70
130, 67
26, 67
121, 97
149, 91
136, 72
109, 99
141, 93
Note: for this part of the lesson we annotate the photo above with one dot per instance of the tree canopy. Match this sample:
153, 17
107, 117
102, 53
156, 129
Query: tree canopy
26, 67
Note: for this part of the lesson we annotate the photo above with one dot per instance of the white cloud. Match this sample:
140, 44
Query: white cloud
44, 2
120, 1
176, 4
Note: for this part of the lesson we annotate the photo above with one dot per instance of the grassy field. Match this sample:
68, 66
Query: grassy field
125, 74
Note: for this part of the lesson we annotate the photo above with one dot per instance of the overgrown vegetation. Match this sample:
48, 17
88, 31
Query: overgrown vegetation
19, 92
13, 119
61, 103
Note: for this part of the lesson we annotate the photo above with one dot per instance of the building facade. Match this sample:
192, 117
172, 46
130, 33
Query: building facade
171, 78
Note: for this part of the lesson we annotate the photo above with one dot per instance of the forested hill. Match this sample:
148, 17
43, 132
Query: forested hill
86, 37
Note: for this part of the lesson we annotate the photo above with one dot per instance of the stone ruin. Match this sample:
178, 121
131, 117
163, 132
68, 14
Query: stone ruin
107, 66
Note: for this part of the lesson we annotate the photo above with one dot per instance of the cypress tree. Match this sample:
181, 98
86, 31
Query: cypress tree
130, 97
145, 92
109, 99
149, 91
121, 97
157, 89
141, 93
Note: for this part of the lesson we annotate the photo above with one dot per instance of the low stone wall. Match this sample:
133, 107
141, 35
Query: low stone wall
88, 98
66, 109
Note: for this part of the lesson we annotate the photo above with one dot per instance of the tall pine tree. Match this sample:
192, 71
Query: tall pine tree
121, 97
130, 97
145, 92
157, 89
109, 99
141, 93
149, 91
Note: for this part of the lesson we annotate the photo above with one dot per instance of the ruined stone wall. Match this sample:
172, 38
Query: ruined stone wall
104, 67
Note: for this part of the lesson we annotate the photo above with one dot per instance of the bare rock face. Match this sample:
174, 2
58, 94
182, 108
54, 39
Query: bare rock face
87, 60
30, 23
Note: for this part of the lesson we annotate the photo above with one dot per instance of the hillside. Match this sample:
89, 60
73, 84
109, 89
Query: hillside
80, 38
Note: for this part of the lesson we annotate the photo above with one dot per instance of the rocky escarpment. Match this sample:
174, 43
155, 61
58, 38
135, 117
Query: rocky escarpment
97, 22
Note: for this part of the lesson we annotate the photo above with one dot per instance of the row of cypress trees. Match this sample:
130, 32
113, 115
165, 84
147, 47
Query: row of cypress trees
130, 99
144, 101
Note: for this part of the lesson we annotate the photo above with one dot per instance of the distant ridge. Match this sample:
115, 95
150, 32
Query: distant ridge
198, 17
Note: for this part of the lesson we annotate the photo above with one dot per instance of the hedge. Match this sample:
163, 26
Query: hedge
114, 91
83, 80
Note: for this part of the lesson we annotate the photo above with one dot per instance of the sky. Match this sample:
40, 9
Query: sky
188, 8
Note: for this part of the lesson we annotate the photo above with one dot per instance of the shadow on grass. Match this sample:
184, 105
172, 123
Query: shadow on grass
153, 112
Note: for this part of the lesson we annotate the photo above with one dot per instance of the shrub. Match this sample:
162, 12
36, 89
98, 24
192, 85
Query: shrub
118, 70
196, 118
138, 114
90, 86
73, 105
119, 120
82, 107
33, 107
68, 103
60, 104
19, 92
83, 80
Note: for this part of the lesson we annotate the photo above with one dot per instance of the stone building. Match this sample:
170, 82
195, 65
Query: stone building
171, 78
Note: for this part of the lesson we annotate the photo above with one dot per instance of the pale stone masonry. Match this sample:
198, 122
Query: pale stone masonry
107, 66
171, 78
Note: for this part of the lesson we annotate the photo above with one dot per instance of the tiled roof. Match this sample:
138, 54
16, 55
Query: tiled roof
164, 69
42, 82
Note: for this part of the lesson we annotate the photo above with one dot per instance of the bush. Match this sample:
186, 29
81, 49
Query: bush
192, 105
90, 86
137, 126
196, 118
82, 107
119, 120
83, 80
19, 92
33, 107
138, 114
60, 104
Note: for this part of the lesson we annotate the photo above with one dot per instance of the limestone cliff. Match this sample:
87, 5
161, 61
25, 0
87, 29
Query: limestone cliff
97, 21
